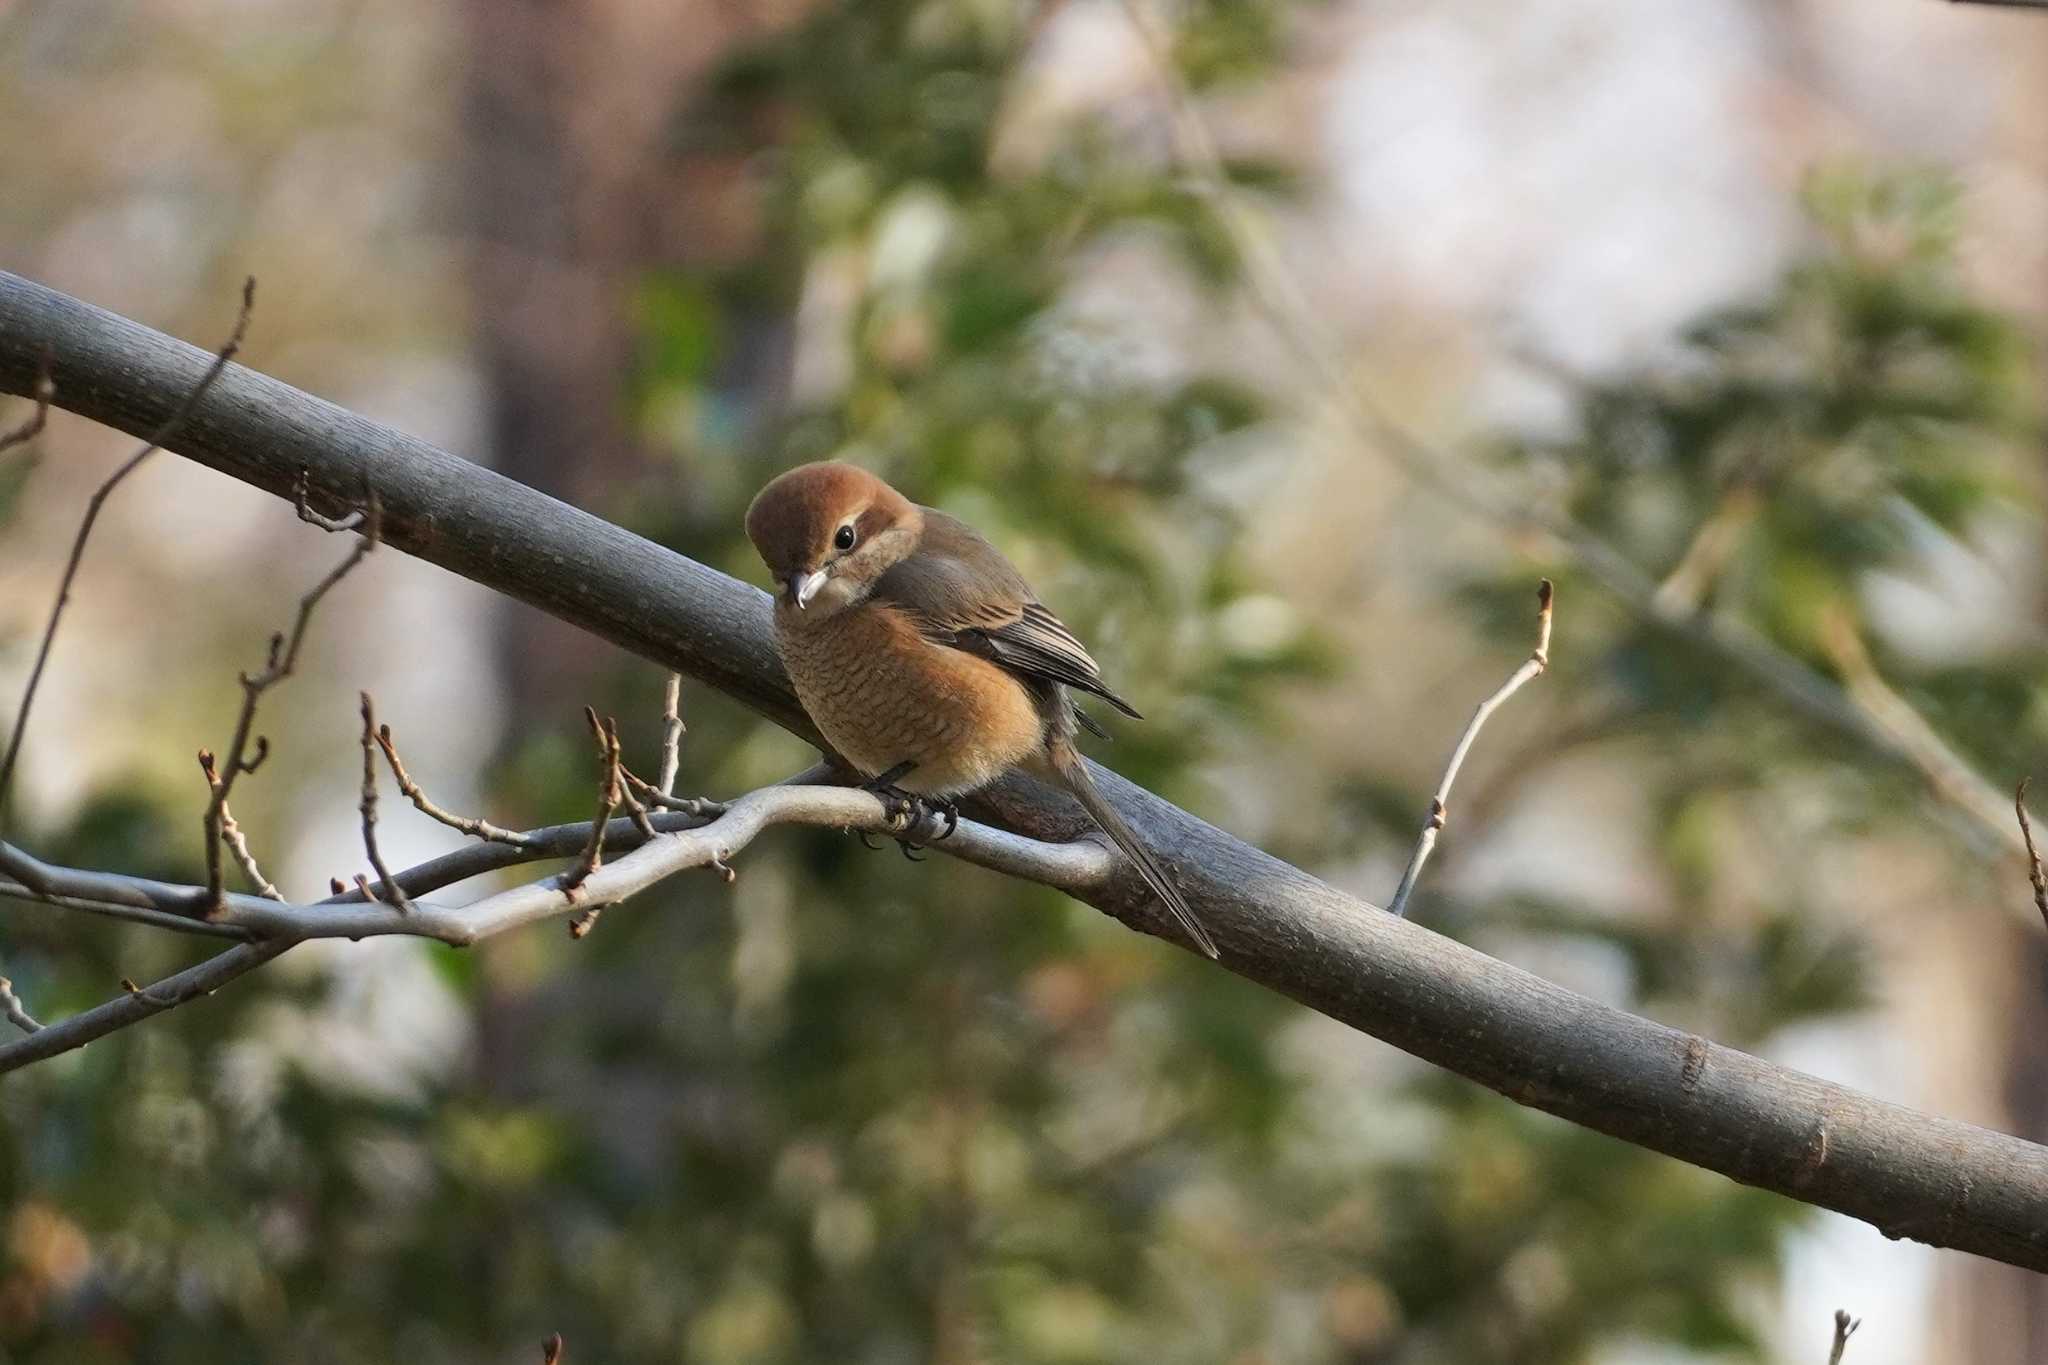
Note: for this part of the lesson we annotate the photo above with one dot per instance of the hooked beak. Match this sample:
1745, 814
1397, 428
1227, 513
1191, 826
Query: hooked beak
804, 586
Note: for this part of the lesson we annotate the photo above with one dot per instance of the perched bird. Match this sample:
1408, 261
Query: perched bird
921, 653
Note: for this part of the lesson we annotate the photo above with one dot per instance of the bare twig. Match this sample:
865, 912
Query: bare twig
391, 894
1439, 805
42, 391
551, 1350
1845, 1327
608, 792
282, 660
654, 796
2034, 872
164, 432
231, 834
474, 826
636, 810
17, 1014
672, 731
301, 494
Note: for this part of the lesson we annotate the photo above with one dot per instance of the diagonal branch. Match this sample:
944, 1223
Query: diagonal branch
1439, 805
1910, 1174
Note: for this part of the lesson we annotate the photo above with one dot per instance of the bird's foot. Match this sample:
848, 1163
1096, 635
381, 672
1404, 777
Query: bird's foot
908, 811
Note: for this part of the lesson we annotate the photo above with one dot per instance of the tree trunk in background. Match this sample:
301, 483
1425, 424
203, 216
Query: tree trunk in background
575, 194
580, 182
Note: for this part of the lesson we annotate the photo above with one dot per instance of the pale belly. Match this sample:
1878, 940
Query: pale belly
882, 695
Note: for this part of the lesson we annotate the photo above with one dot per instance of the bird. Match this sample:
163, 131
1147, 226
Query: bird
924, 657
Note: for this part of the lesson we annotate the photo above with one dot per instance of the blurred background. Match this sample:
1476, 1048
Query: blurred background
1747, 292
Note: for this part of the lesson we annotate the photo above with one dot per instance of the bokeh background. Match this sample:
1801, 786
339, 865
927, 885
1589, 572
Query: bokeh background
1749, 291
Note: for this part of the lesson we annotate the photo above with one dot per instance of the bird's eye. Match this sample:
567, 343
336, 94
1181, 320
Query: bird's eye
844, 540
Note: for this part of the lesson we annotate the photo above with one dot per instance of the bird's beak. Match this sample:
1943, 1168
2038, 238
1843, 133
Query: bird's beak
804, 586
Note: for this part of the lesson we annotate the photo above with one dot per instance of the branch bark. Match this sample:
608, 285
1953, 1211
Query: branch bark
1909, 1174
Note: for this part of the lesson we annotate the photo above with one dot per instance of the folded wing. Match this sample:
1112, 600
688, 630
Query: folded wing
964, 594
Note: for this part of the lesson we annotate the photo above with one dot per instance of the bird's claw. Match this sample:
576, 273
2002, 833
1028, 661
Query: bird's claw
910, 811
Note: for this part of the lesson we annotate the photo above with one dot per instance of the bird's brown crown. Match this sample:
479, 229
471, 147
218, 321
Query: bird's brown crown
799, 524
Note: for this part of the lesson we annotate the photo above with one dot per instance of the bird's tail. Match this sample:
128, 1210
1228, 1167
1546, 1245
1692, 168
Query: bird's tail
1073, 772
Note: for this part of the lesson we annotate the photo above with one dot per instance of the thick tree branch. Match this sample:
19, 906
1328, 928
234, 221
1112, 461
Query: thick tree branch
1910, 1174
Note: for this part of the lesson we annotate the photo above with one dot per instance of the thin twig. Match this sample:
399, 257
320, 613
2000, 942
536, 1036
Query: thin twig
2034, 872
17, 1013
282, 660
231, 835
1439, 805
1845, 1327
132, 1007
654, 796
98, 500
301, 494
608, 785
635, 811
475, 826
43, 390
672, 731
391, 894
551, 1350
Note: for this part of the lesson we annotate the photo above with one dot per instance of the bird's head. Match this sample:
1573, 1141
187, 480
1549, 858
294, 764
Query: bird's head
827, 531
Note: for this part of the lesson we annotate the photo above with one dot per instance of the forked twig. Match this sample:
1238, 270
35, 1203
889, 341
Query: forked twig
1845, 1327
608, 794
654, 796
389, 891
98, 500
231, 834
282, 660
1439, 804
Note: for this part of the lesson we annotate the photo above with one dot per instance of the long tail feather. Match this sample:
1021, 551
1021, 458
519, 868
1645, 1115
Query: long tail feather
1074, 773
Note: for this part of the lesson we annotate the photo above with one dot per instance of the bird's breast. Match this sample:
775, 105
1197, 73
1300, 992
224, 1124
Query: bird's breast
883, 695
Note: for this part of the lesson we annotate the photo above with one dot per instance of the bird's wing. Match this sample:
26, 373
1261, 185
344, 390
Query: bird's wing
963, 594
